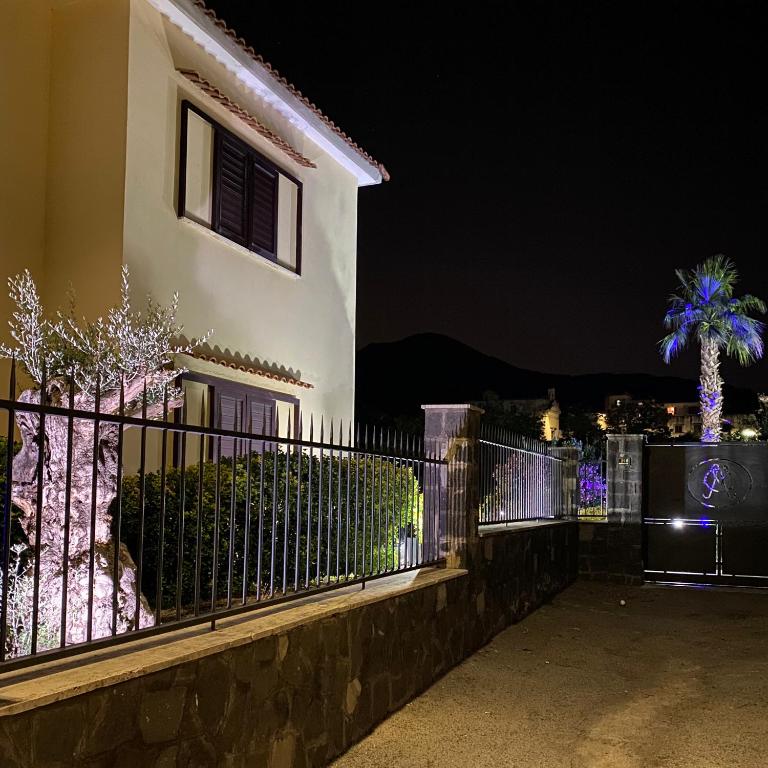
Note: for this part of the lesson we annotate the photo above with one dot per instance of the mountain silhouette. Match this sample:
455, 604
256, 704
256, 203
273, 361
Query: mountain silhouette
394, 379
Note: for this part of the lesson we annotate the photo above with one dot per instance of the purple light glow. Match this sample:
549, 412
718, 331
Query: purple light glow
592, 484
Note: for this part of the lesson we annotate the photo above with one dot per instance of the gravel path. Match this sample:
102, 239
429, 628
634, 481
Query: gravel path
675, 678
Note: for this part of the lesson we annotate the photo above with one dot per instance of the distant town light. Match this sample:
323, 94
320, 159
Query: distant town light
678, 524
748, 433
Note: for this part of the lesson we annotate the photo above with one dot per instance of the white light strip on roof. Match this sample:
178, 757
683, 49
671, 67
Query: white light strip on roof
197, 25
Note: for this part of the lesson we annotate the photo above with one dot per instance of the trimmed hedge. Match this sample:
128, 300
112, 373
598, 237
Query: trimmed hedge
383, 504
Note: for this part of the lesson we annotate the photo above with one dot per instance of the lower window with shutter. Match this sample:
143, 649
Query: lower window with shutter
231, 406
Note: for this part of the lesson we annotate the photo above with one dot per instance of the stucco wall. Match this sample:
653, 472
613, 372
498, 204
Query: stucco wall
86, 167
304, 323
25, 34
88, 182
63, 81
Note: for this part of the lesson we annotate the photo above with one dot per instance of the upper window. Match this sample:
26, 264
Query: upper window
226, 185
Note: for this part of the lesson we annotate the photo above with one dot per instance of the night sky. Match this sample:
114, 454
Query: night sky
551, 162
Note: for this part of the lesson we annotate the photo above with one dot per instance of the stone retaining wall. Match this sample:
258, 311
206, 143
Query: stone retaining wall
302, 696
610, 552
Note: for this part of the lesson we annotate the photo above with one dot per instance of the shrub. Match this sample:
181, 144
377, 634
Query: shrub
277, 494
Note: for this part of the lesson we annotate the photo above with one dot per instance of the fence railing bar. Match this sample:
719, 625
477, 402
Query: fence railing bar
297, 559
273, 526
161, 532
262, 512
199, 526
357, 500
7, 511
337, 498
329, 531
142, 500
181, 514
364, 543
348, 496
286, 511
320, 473
232, 519
216, 527
378, 506
309, 503
68, 514
39, 474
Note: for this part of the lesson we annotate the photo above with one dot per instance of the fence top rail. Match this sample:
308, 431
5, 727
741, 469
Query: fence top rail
380, 443
699, 444
499, 436
544, 455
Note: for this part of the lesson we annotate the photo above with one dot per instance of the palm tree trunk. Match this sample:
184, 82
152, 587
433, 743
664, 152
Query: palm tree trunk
710, 392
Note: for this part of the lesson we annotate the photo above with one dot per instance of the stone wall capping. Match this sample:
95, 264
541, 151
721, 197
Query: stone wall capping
518, 527
455, 406
27, 689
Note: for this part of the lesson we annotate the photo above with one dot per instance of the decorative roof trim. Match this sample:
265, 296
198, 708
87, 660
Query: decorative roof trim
221, 24
235, 365
211, 90
203, 26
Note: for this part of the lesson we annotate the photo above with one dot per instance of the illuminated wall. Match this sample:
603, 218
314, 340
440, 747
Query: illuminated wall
256, 308
90, 131
63, 90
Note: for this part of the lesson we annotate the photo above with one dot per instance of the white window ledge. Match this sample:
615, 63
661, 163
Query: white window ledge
275, 266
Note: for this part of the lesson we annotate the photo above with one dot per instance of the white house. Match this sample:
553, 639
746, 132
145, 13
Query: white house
145, 133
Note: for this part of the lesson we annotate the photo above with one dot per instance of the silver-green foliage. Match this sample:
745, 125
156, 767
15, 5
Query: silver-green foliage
126, 345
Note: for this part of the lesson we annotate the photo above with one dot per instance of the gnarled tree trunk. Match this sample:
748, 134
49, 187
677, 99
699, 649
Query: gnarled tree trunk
49, 540
710, 392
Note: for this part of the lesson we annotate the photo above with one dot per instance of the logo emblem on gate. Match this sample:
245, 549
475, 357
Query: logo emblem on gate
719, 483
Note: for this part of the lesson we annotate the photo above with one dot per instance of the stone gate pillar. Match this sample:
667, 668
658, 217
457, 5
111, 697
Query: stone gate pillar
624, 471
452, 494
571, 456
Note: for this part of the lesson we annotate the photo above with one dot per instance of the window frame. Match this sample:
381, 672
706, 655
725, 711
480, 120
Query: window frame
254, 157
215, 384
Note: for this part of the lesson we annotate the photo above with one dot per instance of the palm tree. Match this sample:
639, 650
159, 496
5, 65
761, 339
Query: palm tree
705, 308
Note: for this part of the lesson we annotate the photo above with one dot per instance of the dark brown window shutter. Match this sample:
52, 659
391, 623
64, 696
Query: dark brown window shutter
262, 414
263, 210
231, 409
232, 185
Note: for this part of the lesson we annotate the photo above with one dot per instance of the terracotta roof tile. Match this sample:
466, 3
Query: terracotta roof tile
292, 88
212, 91
236, 365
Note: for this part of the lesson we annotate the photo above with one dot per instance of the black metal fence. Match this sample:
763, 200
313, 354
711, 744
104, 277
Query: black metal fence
520, 479
116, 525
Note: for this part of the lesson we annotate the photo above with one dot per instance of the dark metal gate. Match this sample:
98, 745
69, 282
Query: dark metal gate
706, 513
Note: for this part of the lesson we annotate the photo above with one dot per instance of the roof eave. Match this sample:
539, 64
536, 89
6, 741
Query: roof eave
193, 21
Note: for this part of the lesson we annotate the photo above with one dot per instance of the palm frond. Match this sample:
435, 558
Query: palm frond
674, 343
745, 342
703, 305
748, 303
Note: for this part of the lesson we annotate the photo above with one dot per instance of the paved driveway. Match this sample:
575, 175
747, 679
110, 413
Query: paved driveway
676, 677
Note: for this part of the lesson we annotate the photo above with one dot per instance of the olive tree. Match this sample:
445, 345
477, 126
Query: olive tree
123, 362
